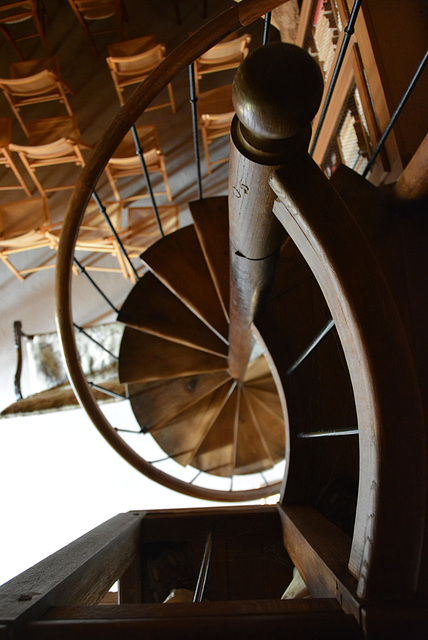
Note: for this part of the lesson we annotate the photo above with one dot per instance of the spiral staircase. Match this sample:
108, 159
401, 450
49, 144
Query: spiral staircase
173, 356
182, 323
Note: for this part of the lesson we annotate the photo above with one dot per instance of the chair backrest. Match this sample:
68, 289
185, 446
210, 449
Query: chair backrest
38, 84
96, 9
217, 122
227, 51
58, 149
14, 12
141, 63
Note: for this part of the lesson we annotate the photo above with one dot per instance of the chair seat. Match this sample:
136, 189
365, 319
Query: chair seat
46, 130
23, 216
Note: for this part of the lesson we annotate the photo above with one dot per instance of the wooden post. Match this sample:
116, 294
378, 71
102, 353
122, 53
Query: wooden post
276, 93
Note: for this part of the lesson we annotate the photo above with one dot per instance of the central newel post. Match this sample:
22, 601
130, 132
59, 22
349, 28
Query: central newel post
276, 93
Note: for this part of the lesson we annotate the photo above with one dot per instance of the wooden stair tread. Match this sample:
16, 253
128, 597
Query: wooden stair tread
211, 220
148, 400
151, 307
258, 368
271, 401
266, 384
178, 261
144, 358
182, 435
251, 453
215, 453
270, 426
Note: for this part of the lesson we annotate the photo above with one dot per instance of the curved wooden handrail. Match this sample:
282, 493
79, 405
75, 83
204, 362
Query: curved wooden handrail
224, 24
389, 528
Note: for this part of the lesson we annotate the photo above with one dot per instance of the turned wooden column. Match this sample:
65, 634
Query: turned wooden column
276, 93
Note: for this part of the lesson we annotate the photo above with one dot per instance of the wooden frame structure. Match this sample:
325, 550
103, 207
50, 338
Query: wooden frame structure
52, 141
87, 11
131, 62
6, 158
20, 11
33, 82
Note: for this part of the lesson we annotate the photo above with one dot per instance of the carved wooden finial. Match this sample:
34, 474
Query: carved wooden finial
277, 91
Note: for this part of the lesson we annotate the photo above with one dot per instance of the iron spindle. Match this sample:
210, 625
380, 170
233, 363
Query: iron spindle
266, 29
396, 113
349, 30
82, 269
140, 154
82, 330
103, 210
193, 101
203, 571
333, 432
311, 346
113, 394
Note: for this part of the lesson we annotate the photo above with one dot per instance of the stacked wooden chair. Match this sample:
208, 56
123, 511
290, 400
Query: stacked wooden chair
25, 227
52, 141
14, 13
6, 157
125, 162
32, 82
132, 61
228, 54
142, 228
216, 111
88, 11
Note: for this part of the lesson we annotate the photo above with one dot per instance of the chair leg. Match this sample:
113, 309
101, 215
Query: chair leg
165, 179
112, 184
10, 266
41, 32
32, 175
171, 98
206, 151
64, 99
11, 41
86, 29
16, 112
14, 168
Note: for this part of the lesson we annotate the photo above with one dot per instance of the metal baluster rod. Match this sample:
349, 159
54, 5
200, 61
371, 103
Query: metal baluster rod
82, 269
103, 210
266, 29
311, 346
140, 154
349, 30
113, 394
82, 330
333, 432
193, 101
396, 113
203, 571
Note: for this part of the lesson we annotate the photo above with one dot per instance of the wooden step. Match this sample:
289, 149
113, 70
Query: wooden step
181, 437
258, 368
144, 358
151, 307
266, 384
271, 401
215, 454
270, 425
148, 400
178, 261
251, 452
211, 219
